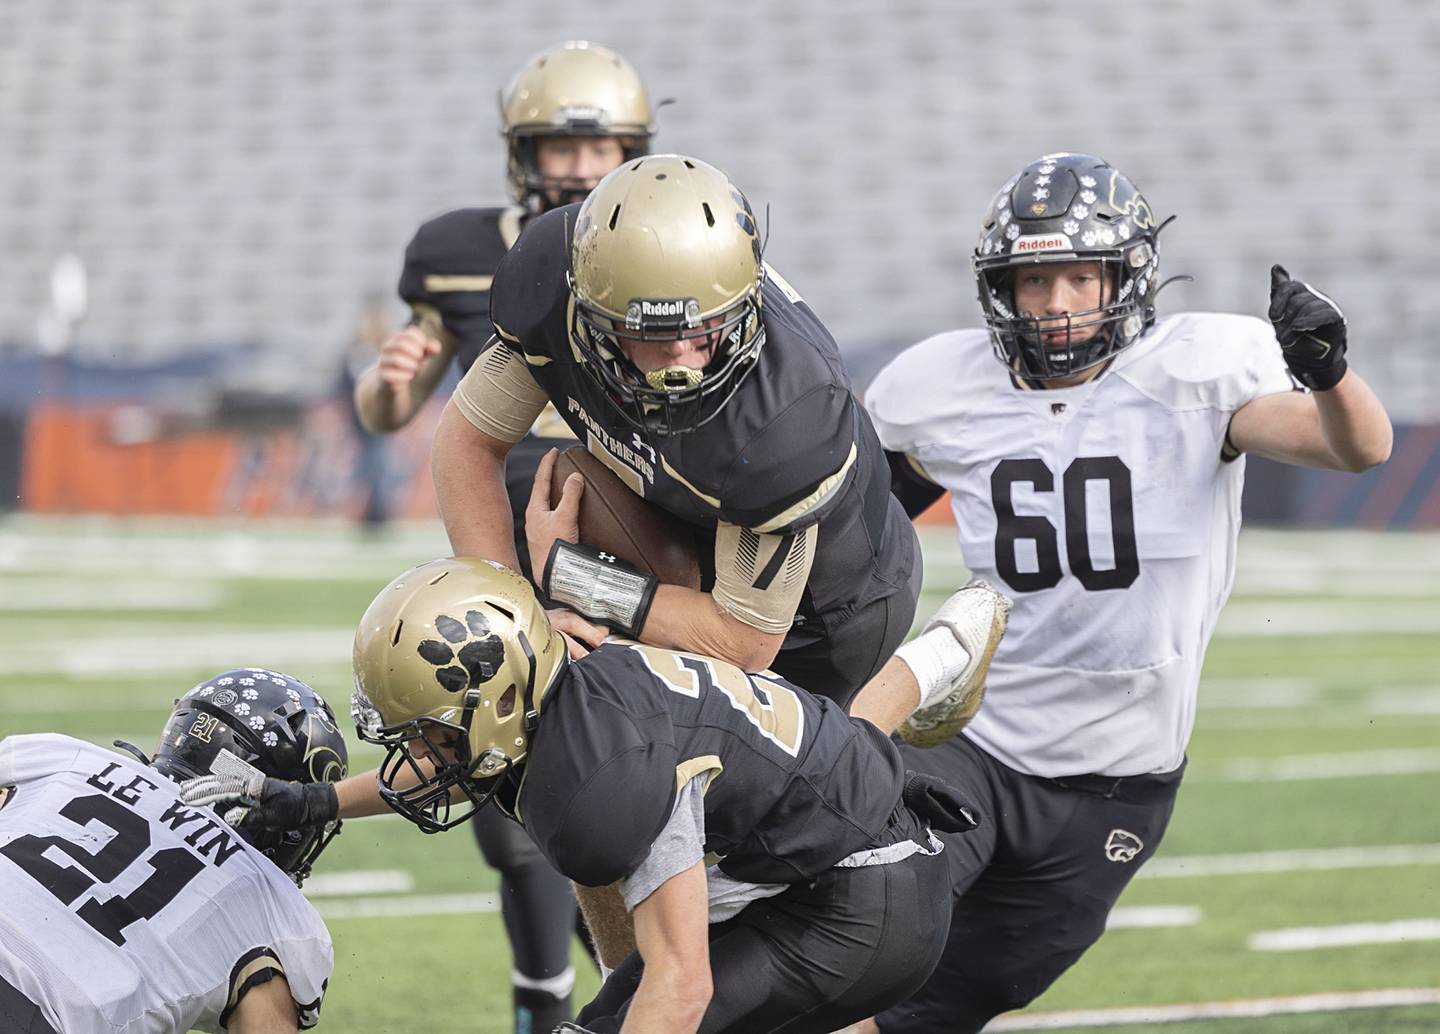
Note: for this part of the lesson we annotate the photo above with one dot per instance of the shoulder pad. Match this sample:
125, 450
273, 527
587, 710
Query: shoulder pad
788, 475
1206, 360
911, 398
457, 252
530, 280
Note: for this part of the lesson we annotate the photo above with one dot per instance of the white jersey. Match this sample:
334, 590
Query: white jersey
1106, 511
124, 910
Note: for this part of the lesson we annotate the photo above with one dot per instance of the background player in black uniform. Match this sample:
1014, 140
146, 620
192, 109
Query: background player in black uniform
570, 115
694, 371
641, 767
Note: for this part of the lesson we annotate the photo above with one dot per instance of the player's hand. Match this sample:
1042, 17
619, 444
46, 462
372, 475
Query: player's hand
938, 803
581, 636
260, 802
1311, 331
404, 354
544, 523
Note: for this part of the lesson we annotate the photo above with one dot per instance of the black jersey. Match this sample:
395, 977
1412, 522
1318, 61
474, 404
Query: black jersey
795, 784
449, 266
793, 447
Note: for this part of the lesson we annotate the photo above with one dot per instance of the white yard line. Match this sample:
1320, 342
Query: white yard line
1153, 917
32, 594
1310, 860
1341, 765
1257, 694
408, 905
1309, 938
139, 648
1262, 618
359, 881
1405, 700
1234, 1009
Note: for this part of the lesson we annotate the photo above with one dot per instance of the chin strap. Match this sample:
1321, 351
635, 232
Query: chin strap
132, 749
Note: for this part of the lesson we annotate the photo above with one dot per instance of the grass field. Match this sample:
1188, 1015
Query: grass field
1304, 858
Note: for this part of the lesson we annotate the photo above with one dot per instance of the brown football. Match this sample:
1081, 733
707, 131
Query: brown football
615, 519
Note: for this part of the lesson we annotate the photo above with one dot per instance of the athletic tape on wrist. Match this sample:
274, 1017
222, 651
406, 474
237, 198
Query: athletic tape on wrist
599, 586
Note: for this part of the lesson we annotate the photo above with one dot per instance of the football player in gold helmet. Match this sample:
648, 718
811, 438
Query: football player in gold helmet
634, 768
569, 115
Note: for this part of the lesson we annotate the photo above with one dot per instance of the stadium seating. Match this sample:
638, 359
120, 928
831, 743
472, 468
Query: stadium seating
246, 171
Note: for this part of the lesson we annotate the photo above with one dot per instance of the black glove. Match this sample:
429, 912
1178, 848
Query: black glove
936, 801
261, 802
1311, 330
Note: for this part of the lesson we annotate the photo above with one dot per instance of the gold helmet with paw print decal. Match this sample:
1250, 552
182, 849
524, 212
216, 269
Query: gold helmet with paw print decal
452, 660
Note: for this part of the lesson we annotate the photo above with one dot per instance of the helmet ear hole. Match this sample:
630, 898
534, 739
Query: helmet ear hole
505, 705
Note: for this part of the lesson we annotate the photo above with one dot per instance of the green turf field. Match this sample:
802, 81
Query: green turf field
1312, 801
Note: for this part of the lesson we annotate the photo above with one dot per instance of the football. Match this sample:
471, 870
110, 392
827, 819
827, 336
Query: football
615, 519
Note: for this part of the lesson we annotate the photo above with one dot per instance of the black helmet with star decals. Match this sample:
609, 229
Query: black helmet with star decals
272, 722
1068, 208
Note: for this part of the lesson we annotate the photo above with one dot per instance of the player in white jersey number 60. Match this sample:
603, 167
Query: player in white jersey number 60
1095, 475
125, 911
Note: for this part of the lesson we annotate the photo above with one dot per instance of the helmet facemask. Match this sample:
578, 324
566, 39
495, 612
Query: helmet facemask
1118, 321
448, 682
1067, 208
272, 722
666, 249
538, 193
577, 89
675, 399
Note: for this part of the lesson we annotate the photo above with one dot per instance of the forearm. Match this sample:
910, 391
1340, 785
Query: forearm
469, 471
359, 796
386, 407
610, 924
683, 619
665, 1003
1354, 423
889, 697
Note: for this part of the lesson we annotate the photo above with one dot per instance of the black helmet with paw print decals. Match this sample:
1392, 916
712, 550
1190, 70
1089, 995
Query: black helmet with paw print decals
268, 720
452, 660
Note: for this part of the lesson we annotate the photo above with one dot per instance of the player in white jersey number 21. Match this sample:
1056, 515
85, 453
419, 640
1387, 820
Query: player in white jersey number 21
1095, 475
124, 910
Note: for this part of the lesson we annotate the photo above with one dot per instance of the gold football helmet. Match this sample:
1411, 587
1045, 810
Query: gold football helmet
575, 89
452, 661
667, 248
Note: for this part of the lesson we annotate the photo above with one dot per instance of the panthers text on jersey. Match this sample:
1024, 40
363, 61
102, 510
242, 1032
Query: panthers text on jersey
1107, 511
125, 911
794, 785
791, 451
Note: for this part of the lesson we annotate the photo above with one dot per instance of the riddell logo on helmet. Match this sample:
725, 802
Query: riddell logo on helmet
672, 308
1044, 242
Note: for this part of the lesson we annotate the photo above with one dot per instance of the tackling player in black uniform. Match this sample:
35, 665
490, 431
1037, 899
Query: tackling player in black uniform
569, 116
647, 316
775, 854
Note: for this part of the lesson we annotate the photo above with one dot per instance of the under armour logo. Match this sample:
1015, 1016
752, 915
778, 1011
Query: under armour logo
1056, 408
1123, 846
607, 557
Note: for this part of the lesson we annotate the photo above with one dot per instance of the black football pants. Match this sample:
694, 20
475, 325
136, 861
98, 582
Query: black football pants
814, 959
1033, 885
18, 1014
838, 665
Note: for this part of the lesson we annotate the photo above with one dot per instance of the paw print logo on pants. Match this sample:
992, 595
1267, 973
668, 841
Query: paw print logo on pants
470, 654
